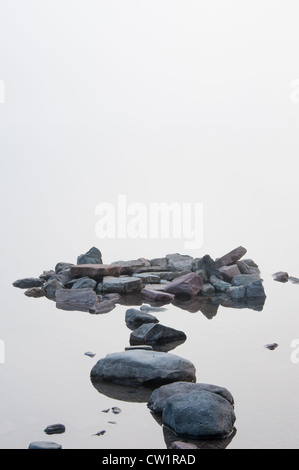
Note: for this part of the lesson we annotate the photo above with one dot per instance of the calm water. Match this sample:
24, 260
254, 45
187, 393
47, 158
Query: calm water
45, 379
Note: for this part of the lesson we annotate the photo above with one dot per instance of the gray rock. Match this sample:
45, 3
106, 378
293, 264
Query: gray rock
134, 316
159, 263
255, 289
44, 446
199, 414
132, 266
55, 429
95, 271
83, 283
146, 347
281, 276
232, 257
64, 277
76, 299
143, 367
294, 280
207, 289
62, 266
160, 396
205, 267
243, 279
153, 333
250, 263
28, 283
47, 275
238, 292
157, 295
121, 285
51, 287
219, 285
35, 292
104, 306
148, 278
177, 262
93, 256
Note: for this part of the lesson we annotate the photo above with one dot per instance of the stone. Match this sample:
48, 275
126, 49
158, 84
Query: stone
220, 286
113, 297
238, 292
132, 266
121, 285
156, 295
95, 271
44, 446
250, 263
228, 272
104, 306
28, 283
190, 284
243, 279
90, 354
177, 262
64, 277
148, 278
207, 289
46, 275
55, 429
93, 256
62, 266
35, 292
294, 280
160, 396
143, 367
134, 316
199, 414
146, 347
231, 258
255, 289
159, 263
271, 346
153, 333
281, 276
51, 287
83, 283
76, 299
205, 267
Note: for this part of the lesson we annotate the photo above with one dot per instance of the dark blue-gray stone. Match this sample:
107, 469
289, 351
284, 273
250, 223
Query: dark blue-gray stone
93, 256
44, 446
28, 283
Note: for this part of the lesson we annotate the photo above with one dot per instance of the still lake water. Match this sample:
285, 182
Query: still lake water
45, 379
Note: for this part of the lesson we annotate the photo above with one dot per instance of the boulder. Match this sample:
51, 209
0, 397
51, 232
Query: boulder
95, 271
238, 292
154, 333
231, 258
136, 317
207, 289
219, 285
148, 278
199, 414
28, 283
255, 289
205, 267
76, 299
93, 256
143, 367
51, 287
160, 396
228, 272
243, 279
177, 262
62, 266
83, 283
121, 285
190, 284
47, 275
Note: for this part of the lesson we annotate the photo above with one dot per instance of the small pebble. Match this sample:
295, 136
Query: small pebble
271, 346
106, 411
89, 354
100, 433
55, 429
116, 410
112, 422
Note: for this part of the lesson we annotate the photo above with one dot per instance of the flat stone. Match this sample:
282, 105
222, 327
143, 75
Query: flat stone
121, 285
95, 271
243, 279
153, 333
35, 292
104, 306
134, 316
44, 446
231, 258
149, 278
132, 266
228, 272
77, 299
143, 367
93, 256
83, 283
28, 283
189, 284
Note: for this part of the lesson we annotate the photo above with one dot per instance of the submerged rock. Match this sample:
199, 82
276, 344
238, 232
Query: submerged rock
134, 316
143, 367
153, 333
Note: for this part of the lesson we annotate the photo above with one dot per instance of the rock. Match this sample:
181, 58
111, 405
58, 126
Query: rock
177, 262
231, 258
153, 333
244, 268
146, 347
143, 367
95, 271
271, 346
77, 299
160, 396
199, 414
255, 289
281, 276
51, 287
90, 354
159, 263
243, 279
113, 297
189, 284
238, 292
148, 278
83, 283
250, 263
156, 295
134, 316
205, 267
228, 272
207, 289
35, 292
149, 308
219, 285
100, 433
104, 306
93, 256
64, 277
132, 266
55, 429
62, 266
115, 410
294, 280
28, 283
44, 446
47, 275
121, 285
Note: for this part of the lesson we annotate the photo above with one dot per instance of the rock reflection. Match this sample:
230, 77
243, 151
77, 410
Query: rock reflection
129, 393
